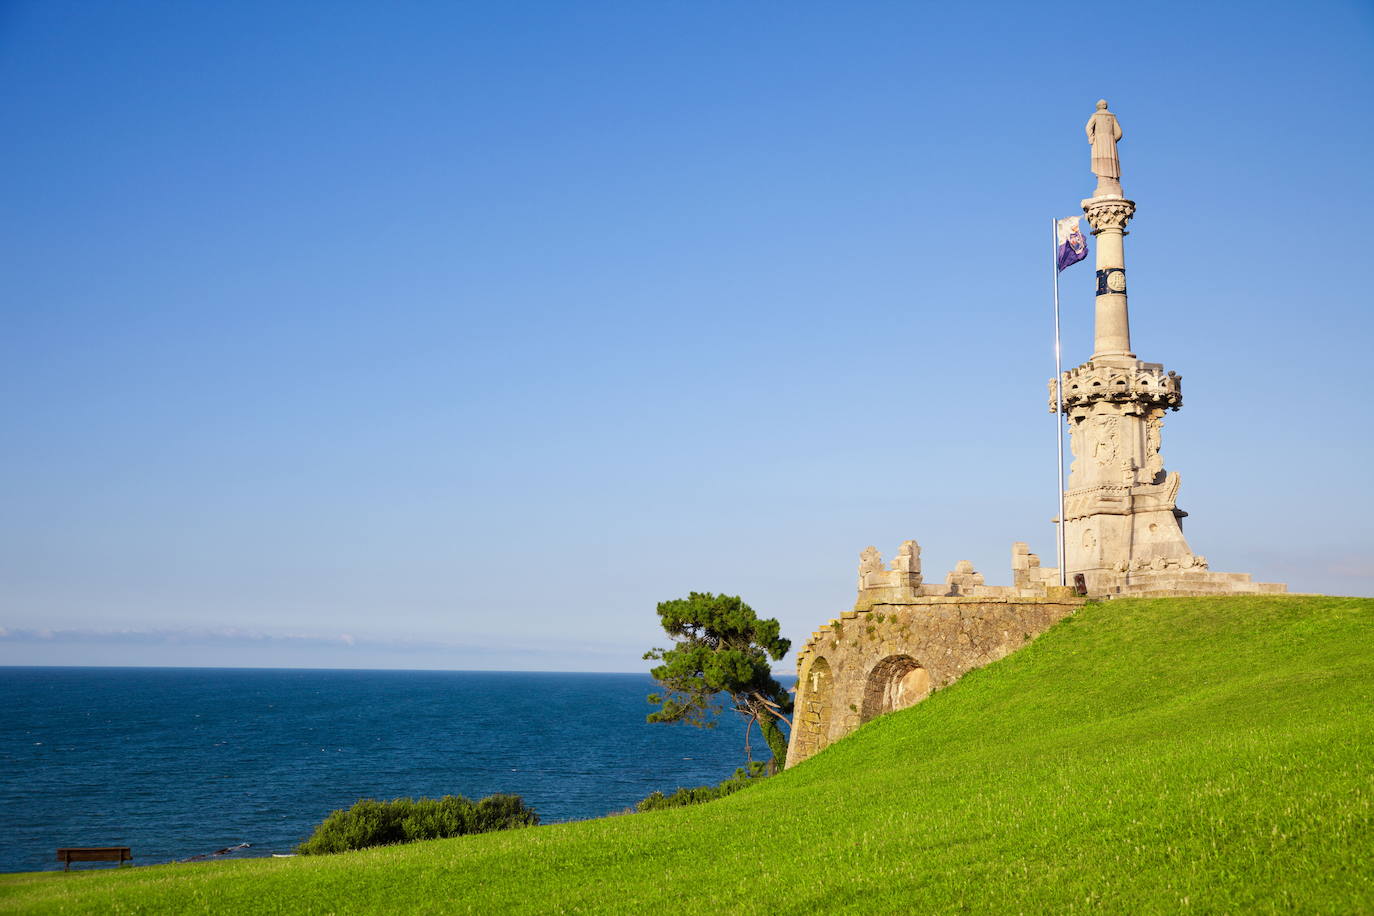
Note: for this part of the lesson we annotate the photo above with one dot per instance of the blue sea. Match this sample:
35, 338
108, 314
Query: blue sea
179, 763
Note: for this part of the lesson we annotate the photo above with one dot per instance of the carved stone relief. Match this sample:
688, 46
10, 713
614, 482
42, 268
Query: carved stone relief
1154, 462
1074, 449
1104, 440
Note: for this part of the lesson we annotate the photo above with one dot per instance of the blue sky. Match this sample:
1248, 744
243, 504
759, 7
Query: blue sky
459, 335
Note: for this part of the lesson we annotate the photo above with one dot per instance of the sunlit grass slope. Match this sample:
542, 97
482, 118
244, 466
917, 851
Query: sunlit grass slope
1211, 755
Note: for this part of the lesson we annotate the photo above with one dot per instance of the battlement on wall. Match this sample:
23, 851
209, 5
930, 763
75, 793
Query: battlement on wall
903, 581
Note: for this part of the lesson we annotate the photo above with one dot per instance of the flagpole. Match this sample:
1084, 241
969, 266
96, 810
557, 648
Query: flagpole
1058, 396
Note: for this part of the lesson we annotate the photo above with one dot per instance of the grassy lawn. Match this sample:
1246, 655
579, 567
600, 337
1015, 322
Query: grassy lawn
1200, 754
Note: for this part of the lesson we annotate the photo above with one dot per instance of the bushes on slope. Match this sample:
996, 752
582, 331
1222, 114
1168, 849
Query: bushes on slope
405, 820
700, 794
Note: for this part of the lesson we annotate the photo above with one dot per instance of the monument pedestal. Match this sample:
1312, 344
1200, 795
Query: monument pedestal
1121, 505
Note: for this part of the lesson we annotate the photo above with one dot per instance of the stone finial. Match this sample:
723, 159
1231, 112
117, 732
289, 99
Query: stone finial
908, 559
878, 583
870, 561
1026, 571
963, 578
1054, 384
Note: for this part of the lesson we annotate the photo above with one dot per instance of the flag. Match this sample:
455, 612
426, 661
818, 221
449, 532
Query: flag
1072, 246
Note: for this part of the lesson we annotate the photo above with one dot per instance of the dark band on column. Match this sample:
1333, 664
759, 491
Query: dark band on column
1111, 280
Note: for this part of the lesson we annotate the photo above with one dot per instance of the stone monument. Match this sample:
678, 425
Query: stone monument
906, 637
1124, 530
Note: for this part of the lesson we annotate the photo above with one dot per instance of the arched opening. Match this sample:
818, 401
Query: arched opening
895, 683
815, 696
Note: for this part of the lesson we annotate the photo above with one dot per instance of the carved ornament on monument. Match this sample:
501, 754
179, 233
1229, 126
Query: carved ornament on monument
1154, 461
1103, 436
1108, 213
1104, 500
1147, 384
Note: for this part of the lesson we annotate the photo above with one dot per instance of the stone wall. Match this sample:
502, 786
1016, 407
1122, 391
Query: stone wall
891, 655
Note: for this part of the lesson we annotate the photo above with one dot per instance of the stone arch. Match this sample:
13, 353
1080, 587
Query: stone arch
816, 699
896, 682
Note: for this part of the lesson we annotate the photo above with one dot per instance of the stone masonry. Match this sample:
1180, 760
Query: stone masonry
905, 638
893, 654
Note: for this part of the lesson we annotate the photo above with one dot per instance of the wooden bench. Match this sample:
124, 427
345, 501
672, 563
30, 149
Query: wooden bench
120, 854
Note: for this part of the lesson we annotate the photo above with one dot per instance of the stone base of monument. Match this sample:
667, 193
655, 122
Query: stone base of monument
1175, 583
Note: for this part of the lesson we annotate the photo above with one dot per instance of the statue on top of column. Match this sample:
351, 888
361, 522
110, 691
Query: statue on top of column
1103, 132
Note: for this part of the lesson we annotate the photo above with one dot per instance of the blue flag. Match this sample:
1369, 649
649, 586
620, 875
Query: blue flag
1072, 246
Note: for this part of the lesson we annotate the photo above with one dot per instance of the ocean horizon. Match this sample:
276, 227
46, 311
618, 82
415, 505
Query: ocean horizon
180, 763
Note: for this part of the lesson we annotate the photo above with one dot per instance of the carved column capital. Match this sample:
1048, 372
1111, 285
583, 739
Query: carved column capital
1108, 212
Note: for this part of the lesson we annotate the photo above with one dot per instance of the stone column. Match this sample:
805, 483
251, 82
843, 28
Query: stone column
1108, 217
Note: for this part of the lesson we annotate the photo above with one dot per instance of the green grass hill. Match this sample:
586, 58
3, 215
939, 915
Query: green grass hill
1166, 755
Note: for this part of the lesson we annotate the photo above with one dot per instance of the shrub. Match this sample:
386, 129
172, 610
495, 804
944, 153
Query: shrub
405, 820
700, 794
